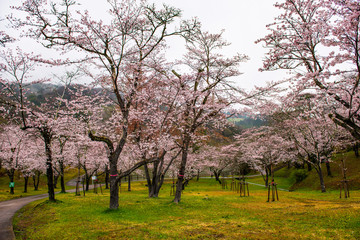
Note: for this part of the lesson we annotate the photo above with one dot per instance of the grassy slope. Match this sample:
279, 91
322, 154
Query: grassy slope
19, 185
353, 174
206, 212
284, 177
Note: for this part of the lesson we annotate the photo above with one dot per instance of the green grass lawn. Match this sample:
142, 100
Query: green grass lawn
19, 185
285, 178
205, 212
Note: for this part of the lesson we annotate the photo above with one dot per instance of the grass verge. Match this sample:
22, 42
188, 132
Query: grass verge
19, 185
205, 212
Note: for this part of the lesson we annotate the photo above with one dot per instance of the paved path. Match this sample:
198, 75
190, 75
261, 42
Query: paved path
10, 207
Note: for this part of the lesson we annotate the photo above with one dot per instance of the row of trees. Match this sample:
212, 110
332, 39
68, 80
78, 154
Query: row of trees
151, 112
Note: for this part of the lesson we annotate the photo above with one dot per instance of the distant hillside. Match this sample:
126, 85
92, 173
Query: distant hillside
42, 88
247, 122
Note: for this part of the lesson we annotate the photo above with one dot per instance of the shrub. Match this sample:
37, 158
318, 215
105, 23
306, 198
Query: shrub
299, 175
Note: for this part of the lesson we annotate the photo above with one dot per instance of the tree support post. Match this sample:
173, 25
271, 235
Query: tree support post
274, 193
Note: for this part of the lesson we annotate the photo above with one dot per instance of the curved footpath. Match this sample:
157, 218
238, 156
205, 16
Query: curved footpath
10, 207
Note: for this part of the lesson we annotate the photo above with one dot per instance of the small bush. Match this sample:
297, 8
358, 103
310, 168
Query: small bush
299, 175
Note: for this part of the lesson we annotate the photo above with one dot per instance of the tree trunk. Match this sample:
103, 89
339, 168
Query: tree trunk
36, 179
217, 175
49, 167
179, 183
328, 169
161, 181
149, 183
266, 177
356, 149
155, 180
153, 190
154, 184
11, 174
309, 166
87, 179
321, 178
62, 181
26, 179
114, 187
129, 183
62, 178
186, 182
198, 175
56, 177
106, 177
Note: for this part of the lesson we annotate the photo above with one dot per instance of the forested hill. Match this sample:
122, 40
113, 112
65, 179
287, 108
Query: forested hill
247, 122
37, 93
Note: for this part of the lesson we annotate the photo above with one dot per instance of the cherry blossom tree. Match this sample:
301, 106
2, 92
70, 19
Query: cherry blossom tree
118, 50
205, 91
61, 160
12, 139
46, 120
217, 159
92, 157
152, 126
20, 152
4, 37
33, 161
319, 41
314, 135
264, 148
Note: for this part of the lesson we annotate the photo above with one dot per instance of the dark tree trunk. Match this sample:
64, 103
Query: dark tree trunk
26, 181
62, 178
36, 179
87, 182
154, 193
11, 174
129, 183
328, 169
321, 178
87, 177
154, 184
198, 175
49, 167
186, 182
106, 177
62, 181
217, 175
158, 174
356, 149
148, 180
56, 177
181, 174
114, 187
309, 166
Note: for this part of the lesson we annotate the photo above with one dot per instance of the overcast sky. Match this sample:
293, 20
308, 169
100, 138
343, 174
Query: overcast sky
244, 22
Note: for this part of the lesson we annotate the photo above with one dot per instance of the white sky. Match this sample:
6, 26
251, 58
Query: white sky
243, 21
